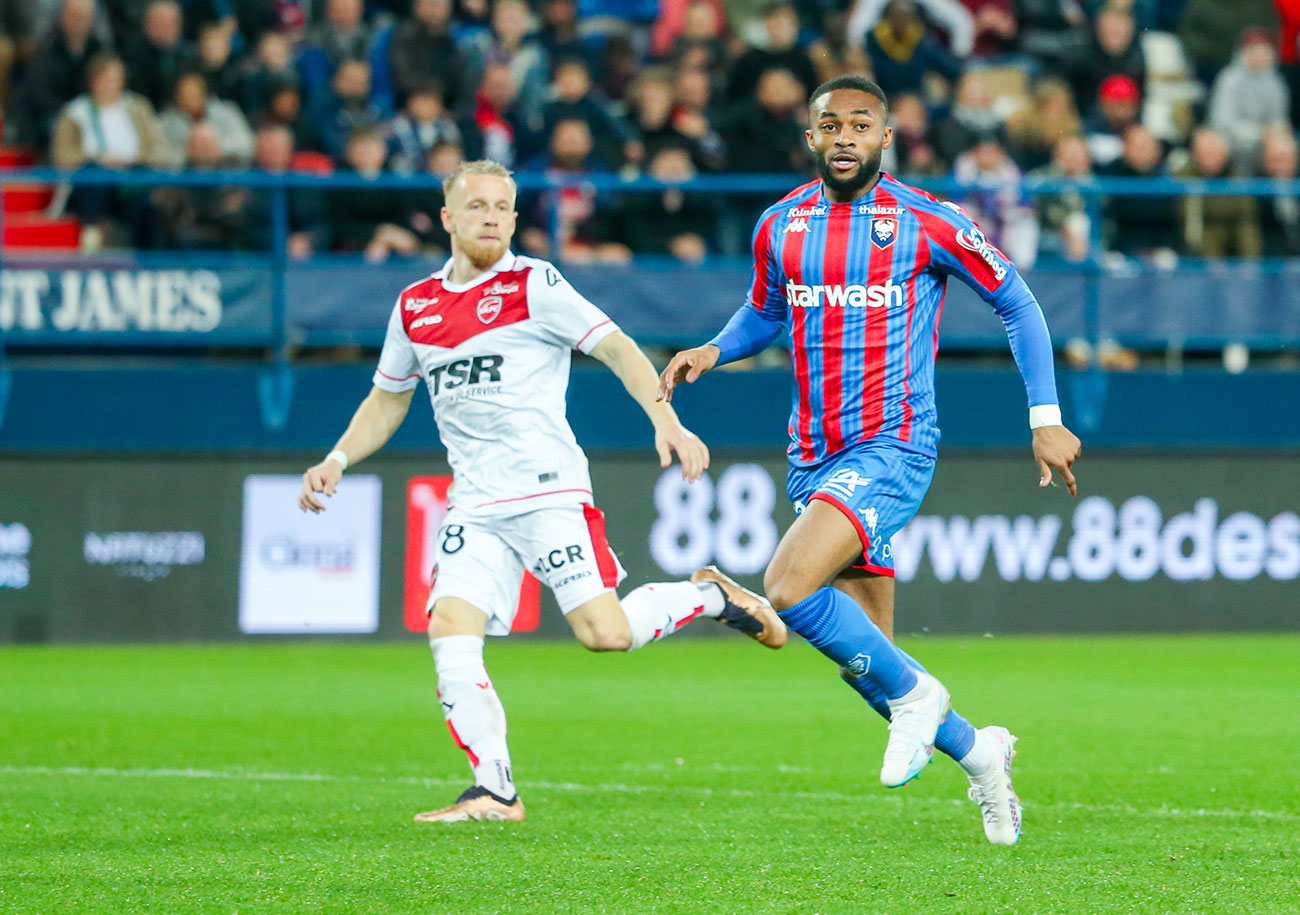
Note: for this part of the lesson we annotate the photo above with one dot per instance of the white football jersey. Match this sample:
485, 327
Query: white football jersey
494, 354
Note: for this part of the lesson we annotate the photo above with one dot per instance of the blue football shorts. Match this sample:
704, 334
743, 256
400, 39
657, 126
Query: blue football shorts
876, 485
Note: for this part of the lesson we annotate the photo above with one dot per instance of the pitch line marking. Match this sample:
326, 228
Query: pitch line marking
616, 788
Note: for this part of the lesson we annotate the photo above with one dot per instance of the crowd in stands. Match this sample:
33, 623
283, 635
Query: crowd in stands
985, 90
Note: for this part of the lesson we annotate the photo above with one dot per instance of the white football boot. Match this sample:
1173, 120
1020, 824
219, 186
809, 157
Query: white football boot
993, 792
914, 718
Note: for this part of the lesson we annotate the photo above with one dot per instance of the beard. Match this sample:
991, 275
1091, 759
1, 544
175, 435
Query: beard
484, 254
842, 184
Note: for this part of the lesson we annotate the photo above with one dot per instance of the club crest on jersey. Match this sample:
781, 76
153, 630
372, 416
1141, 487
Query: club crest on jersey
883, 231
489, 307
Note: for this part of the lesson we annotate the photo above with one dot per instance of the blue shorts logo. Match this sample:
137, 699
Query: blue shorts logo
858, 665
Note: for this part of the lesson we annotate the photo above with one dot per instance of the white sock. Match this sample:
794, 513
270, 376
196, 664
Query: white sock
980, 759
657, 610
473, 711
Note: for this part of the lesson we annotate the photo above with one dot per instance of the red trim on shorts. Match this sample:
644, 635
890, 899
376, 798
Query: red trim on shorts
536, 495
605, 561
473, 757
862, 534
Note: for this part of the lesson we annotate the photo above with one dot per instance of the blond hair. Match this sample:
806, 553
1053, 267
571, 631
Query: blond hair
476, 167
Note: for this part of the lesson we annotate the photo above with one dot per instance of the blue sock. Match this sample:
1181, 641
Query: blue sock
839, 628
955, 736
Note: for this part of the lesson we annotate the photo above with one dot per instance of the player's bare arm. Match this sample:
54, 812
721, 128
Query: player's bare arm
626, 360
1056, 448
688, 366
374, 423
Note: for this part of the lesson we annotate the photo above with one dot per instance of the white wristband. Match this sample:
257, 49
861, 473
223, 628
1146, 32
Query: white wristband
338, 456
1044, 414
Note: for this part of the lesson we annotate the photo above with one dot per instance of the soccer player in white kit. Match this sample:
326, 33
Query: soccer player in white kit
490, 335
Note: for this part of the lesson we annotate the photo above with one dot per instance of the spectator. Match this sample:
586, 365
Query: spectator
1113, 51
1209, 30
1034, 131
1249, 98
572, 96
348, 108
375, 223
1064, 226
497, 115
834, 53
693, 116
157, 59
781, 51
342, 36
1051, 30
56, 72
672, 221
443, 158
110, 128
619, 66
559, 34
285, 109
1280, 213
107, 126
995, 27
308, 213
766, 133
1006, 218
214, 51
422, 125
201, 218
656, 123
913, 153
702, 41
972, 115
422, 52
580, 218
903, 55
1118, 104
1217, 225
192, 106
510, 43
1139, 225
950, 15
265, 73
679, 18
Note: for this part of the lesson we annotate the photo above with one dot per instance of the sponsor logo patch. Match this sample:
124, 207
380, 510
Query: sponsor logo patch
972, 239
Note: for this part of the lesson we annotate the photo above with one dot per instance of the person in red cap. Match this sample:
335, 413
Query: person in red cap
1249, 98
1118, 105
1114, 50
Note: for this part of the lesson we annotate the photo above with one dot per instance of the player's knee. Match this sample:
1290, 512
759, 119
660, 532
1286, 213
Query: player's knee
783, 590
605, 638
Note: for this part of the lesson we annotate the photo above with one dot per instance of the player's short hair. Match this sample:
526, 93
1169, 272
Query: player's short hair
476, 167
851, 81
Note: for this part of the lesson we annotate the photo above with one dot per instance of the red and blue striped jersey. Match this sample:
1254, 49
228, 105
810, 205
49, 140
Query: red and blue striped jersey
860, 287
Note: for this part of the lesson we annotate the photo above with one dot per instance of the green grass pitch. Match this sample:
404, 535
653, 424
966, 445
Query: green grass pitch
1159, 774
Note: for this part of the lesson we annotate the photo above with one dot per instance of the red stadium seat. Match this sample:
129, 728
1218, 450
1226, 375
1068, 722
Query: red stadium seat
313, 162
26, 198
38, 233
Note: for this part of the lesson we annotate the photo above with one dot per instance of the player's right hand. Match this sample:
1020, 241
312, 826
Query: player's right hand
688, 365
324, 477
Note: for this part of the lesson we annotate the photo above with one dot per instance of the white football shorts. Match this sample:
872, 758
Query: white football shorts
482, 560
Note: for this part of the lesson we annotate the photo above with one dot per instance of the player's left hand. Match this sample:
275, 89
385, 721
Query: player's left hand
1056, 448
691, 451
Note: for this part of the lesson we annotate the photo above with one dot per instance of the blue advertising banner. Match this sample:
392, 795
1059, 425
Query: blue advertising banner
117, 301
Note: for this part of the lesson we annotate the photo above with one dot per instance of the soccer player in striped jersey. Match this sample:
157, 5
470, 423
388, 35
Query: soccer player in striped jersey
853, 269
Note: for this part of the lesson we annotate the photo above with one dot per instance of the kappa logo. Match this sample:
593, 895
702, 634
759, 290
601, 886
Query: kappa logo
871, 518
416, 303
426, 321
797, 225
883, 231
489, 308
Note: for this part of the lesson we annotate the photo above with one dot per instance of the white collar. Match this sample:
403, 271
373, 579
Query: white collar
506, 262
